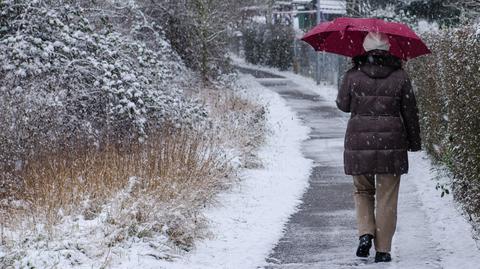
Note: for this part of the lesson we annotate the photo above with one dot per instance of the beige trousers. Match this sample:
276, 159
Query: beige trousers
382, 222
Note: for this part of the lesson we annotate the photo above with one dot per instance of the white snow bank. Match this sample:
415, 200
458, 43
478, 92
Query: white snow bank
251, 217
431, 231
425, 27
449, 228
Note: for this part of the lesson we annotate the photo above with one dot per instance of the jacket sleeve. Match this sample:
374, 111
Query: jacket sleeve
409, 112
343, 96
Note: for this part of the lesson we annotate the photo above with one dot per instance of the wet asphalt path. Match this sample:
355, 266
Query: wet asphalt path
321, 234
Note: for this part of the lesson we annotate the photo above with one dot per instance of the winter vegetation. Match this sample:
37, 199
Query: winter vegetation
268, 44
115, 132
197, 29
448, 94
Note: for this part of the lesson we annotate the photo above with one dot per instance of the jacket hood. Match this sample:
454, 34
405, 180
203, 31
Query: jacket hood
377, 63
377, 71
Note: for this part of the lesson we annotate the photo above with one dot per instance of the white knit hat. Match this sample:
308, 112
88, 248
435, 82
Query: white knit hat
376, 41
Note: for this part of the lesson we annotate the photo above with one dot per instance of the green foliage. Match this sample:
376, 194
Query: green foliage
449, 100
270, 45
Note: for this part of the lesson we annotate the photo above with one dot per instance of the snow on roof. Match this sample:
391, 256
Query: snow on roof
327, 6
301, 2
255, 8
333, 6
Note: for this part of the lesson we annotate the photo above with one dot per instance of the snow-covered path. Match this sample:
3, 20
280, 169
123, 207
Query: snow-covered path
431, 233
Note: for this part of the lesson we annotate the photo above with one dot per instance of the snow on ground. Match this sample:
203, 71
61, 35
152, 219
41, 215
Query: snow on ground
449, 228
425, 27
249, 219
431, 230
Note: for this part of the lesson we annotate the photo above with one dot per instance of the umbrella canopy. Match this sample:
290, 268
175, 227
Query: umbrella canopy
345, 36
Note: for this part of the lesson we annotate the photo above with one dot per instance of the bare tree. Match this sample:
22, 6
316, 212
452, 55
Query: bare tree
197, 30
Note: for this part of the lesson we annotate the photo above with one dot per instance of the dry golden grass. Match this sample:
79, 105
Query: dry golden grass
171, 166
131, 189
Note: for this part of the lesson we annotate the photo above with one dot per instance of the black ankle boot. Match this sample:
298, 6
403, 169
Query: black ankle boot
383, 257
364, 245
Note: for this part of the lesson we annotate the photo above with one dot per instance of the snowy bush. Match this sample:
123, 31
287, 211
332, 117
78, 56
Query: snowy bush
270, 45
442, 13
253, 44
63, 80
449, 99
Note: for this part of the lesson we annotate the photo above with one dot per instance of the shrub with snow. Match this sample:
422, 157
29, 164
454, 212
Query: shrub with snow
448, 97
270, 45
63, 80
67, 83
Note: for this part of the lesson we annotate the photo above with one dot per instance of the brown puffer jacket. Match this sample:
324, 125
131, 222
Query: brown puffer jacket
384, 116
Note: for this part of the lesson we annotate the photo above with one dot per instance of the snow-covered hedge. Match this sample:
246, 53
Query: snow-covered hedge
62, 79
448, 88
270, 45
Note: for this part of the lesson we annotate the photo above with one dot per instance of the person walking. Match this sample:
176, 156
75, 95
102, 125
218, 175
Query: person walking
383, 126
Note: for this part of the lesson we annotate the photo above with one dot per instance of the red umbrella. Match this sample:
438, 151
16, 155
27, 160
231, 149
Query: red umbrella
345, 36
